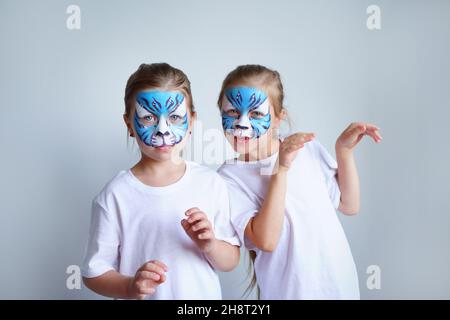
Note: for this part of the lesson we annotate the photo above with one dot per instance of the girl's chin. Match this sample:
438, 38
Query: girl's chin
243, 145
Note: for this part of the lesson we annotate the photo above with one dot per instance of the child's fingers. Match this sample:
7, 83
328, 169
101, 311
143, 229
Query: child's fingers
308, 138
296, 144
161, 264
201, 224
199, 215
377, 138
374, 133
191, 211
370, 126
150, 266
300, 137
358, 129
148, 275
186, 225
358, 139
152, 276
302, 134
152, 282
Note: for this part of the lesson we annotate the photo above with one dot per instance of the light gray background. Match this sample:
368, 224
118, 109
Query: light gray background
62, 136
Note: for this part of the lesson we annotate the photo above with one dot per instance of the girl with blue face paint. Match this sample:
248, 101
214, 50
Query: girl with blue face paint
283, 199
161, 229
161, 118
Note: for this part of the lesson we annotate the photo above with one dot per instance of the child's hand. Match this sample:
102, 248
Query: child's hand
199, 229
147, 278
290, 146
354, 133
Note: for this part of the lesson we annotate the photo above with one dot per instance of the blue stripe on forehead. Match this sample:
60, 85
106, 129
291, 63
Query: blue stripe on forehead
245, 99
159, 102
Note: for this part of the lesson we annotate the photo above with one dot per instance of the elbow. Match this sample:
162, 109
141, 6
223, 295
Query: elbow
268, 245
87, 282
232, 262
235, 261
349, 210
265, 239
228, 268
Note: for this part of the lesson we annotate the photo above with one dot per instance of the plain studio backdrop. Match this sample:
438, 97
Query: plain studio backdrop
62, 134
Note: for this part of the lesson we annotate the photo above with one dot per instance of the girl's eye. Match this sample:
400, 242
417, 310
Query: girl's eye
257, 114
175, 117
232, 113
148, 118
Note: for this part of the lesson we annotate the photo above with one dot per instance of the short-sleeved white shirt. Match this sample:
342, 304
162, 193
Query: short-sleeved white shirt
312, 259
133, 223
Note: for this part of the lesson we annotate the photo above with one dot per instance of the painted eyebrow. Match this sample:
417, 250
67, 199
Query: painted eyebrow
229, 105
178, 108
141, 111
260, 105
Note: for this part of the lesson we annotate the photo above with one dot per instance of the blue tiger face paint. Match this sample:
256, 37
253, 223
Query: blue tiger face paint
245, 112
160, 118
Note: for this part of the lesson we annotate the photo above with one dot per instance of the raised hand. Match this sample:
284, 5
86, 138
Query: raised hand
290, 147
353, 134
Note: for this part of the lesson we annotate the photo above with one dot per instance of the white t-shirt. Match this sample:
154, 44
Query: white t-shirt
133, 223
312, 259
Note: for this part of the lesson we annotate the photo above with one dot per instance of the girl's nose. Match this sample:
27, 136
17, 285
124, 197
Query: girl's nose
243, 123
163, 127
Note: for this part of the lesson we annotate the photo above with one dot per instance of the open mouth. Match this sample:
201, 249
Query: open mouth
241, 139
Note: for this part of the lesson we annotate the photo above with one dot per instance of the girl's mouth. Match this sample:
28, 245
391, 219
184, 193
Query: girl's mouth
164, 148
241, 139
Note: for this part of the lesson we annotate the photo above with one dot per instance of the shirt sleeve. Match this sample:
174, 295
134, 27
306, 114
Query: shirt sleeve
223, 229
328, 166
242, 209
102, 252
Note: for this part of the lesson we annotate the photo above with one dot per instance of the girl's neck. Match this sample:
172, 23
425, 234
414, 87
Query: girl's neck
261, 152
158, 173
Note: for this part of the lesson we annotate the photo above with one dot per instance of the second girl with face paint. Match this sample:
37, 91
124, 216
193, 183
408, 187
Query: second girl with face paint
283, 199
161, 229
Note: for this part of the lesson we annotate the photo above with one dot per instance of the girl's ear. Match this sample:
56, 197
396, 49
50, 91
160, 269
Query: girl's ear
193, 118
127, 123
283, 114
280, 117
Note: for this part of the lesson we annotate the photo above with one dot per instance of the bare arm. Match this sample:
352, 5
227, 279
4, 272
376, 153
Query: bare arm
115, 285
110, 284
223, 256
264, 229
348, 180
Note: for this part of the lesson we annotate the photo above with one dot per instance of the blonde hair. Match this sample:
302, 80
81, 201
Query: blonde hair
157, 76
